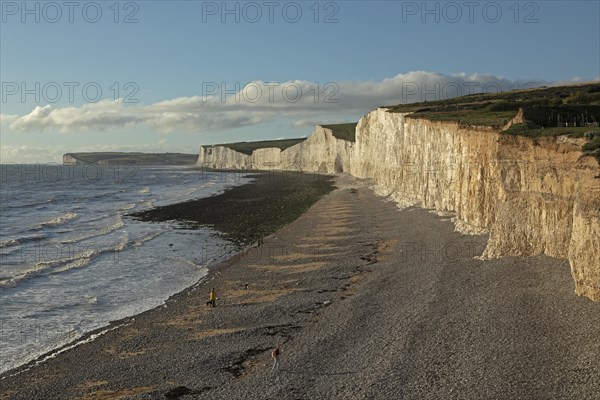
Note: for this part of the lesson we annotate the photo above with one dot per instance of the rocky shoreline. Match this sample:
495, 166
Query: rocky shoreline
367, 301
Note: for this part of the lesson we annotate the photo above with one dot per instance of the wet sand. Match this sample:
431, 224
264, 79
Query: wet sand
367, 301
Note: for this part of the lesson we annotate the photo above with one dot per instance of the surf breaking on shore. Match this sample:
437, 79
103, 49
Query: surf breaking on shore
72, 262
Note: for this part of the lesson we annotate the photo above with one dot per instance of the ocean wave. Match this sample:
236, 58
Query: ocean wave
35, 311
147, 204
190, 192
71, 259
179, 196
81, 260
91, 299
64, 264
101, 195
26, 205
187, 262
78, 340
9, 243
145, 190
100, 232
147, 238
36, 270
110, 213
60, 220
98, 240
8, 251
127, 207
19, 241
85, 258
97, 218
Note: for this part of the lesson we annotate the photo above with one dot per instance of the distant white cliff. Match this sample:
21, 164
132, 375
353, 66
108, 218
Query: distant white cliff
321, 152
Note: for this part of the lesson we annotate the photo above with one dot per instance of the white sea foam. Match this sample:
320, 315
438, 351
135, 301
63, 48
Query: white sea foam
92, 299
65, 348
118, 223
32, 272
69, 261
127, 207
147, 238
10, 242
185, 261
20, 241
60, 220
81, 260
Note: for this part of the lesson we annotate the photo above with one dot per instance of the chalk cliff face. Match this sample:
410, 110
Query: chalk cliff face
219, 157
584, 248
532, 196
429, 164
69, 160
320, 152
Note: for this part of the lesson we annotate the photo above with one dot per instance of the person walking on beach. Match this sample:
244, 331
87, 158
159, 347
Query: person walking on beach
211, 298
275, 354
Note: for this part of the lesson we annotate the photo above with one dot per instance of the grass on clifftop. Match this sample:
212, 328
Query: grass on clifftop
249, 147
495, 119
135, 158
573, 111
546, 107
343, 131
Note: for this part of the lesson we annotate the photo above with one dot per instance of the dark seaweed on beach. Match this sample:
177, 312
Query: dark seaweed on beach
249, 212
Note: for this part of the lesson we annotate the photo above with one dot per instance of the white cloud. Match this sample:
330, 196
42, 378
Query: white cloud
8, 118
258, 102
574, 81
28, 154
89, 117
301, 123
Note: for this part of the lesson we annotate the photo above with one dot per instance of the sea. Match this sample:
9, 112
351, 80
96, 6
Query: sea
72, 260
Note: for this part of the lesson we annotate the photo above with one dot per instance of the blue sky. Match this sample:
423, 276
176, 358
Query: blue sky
161, 66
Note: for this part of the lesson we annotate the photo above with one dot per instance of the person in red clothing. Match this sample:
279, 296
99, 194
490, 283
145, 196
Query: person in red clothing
275, 354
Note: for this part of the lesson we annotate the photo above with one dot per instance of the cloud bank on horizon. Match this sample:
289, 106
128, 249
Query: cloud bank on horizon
228, 106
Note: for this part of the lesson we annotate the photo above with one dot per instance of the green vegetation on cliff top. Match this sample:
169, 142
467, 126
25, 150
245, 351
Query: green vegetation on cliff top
556, 111
562, 106
343, 131
134, 157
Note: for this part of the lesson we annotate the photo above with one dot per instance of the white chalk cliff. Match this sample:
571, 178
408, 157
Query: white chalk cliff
533, 196
320, 152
